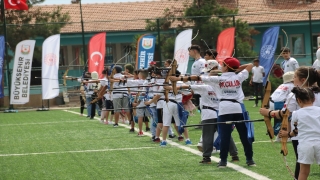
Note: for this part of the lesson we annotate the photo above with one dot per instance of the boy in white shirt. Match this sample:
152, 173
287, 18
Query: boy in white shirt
257, 80
289, 63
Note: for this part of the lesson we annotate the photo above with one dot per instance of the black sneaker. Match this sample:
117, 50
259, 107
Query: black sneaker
131, 130
205, 160
180, 138
172, 136
156, 140
153, 137
235, 159
115, 125
147, 129
251, 163
222, 164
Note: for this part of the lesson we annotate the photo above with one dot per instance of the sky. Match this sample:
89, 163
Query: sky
48, 2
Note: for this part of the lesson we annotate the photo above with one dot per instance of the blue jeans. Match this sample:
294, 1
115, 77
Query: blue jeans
88, 100
225, 131
154, 120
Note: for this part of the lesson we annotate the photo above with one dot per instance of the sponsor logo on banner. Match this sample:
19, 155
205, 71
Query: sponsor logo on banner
21, 76
147, 43
50, 59
145, 51
25, 49
267, 51
182, 56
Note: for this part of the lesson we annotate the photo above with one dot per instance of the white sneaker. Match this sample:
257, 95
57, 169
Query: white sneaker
110, 122
255, 105
215, 151
102, 121
126, 122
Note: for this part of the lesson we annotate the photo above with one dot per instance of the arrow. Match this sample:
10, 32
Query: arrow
227, 122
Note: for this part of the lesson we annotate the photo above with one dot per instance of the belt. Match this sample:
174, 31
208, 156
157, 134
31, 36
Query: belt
231, 100
207, 107
171, 100
120, 93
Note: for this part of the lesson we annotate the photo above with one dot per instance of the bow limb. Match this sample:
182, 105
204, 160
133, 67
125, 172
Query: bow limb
64, 92
174, 70
284, 127
166, 81
112, 78
265, 104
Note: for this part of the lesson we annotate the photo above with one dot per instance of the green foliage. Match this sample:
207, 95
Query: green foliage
209, 18
22, 25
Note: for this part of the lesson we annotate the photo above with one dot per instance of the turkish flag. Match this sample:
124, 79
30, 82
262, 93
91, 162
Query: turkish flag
225, 44
97, 51
16, 4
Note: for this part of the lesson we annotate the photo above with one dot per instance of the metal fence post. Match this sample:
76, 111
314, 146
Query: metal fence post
310, 30
235, 36
159, 41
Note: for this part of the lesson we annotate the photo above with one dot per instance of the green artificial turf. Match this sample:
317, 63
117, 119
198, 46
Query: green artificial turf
61, 145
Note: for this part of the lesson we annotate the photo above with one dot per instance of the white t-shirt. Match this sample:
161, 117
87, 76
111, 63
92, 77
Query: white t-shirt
136, 82
90, 88
292, 105
104, 81
119, 94
198, 66
157, 90
230, 88
208, 98
289, 65
281, 93
316, 64
308, 120
257, 74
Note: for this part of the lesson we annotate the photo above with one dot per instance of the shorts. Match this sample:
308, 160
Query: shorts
119, 103
168, 111
109, 105
309, 152
142, 112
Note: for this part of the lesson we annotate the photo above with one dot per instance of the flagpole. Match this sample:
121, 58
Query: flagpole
6, 52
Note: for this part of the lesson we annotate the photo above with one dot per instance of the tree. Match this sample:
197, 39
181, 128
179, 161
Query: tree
22, 25
209, 18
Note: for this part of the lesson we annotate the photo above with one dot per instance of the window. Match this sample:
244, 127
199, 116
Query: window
63, 56
77, 56
279, 45
127, 52
109, 57
297, 45
315, 43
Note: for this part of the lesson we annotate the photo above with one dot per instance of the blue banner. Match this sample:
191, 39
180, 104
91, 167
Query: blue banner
145, 51
268, 48
1, 64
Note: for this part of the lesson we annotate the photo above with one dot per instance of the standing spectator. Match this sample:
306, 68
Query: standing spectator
198, 65
289, 63
316, 63
257, 80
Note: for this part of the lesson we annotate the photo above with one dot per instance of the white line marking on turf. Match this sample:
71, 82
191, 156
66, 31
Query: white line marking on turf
56, 122
193, 151
80, 151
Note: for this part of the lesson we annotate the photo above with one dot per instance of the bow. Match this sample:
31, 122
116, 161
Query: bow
171, 72
65, 89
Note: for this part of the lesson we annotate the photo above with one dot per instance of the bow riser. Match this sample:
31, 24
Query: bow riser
265, 104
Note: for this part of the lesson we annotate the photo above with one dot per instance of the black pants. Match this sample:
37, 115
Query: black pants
208, 136
295, 144
93, 110
82, 102
258, 89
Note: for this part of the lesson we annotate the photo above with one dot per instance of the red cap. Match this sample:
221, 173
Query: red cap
153, 63
232, 63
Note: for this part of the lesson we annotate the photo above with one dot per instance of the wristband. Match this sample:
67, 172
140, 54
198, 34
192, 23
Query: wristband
289, 135
181, 78
279, 113
198, 78
269, 114
189, 78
